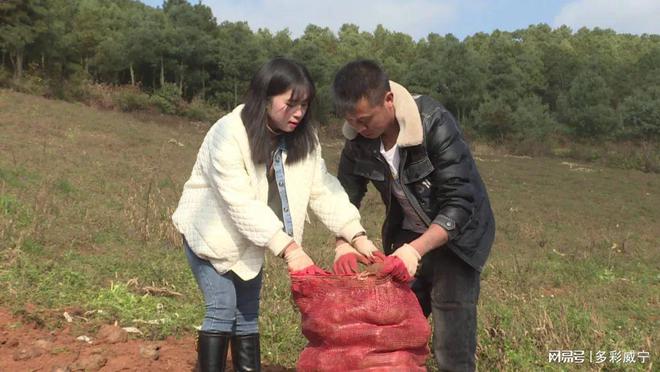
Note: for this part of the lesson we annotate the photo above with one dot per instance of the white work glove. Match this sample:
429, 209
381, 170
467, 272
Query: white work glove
296, 259
367, 248
409, 256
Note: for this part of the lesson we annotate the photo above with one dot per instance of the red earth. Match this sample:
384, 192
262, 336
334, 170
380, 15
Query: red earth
29, 347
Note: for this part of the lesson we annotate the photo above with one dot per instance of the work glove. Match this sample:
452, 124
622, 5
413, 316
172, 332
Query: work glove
296, 259
402, 264
310, 270
346, 260
367, 248
394, 268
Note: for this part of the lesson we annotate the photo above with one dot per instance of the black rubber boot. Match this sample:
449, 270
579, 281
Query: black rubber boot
212, 351
245, 353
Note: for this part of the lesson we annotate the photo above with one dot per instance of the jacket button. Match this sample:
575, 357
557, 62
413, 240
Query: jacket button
281, 183
285, 209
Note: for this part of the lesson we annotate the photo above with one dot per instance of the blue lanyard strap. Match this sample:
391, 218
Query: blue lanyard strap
278, 166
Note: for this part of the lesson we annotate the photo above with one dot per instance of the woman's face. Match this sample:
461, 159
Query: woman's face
285, 113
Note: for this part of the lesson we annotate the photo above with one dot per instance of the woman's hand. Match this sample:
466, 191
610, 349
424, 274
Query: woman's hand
347, 258
366, 247
296, 258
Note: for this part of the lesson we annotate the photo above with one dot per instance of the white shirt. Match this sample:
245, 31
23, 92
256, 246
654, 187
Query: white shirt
411, 220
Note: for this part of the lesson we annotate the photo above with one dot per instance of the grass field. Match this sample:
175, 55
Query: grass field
85, 204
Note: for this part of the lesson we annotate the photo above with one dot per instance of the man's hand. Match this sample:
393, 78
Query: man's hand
402, 264
395, 268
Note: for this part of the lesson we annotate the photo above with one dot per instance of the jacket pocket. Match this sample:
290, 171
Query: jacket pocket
418, 170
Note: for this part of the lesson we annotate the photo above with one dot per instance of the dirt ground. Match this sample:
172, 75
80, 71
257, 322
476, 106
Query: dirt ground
33, 348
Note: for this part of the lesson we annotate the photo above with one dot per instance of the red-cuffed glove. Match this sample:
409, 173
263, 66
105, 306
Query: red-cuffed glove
367, 248
378, 257
310, 270
346, 260
409, 256
395, 268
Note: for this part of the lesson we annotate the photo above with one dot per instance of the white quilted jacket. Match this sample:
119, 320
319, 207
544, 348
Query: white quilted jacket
223, 212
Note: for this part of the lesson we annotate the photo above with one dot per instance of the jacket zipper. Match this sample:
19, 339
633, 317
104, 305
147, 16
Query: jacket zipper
411, 198
379, 157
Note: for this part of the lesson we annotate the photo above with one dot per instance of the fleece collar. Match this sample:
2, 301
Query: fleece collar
407, 114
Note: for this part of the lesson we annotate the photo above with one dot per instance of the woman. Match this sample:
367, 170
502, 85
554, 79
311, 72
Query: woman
257, 172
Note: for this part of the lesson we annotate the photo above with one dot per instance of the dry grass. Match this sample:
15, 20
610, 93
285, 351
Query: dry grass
86, 196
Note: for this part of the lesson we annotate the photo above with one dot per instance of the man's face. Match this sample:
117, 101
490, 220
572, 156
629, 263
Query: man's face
371, 121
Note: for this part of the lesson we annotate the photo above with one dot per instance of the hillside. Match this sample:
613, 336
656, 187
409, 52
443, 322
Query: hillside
85, 200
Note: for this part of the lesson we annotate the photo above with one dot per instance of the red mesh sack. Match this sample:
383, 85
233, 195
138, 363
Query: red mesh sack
360, 323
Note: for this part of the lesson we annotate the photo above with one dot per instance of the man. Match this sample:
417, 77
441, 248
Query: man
438, 211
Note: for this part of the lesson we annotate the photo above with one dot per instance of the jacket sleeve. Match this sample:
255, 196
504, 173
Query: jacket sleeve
227, 175
355, 186
451, 158
331, 204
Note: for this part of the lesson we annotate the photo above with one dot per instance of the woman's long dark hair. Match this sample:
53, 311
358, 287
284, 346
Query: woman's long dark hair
276, 77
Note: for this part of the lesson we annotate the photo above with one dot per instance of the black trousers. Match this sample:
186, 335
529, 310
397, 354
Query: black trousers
448, 288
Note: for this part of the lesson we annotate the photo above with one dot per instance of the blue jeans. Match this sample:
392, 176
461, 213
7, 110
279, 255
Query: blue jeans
232, 304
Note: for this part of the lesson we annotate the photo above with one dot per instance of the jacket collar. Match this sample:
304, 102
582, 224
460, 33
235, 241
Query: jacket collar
410, 122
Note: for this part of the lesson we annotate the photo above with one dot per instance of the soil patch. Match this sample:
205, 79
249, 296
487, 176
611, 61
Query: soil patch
26, 346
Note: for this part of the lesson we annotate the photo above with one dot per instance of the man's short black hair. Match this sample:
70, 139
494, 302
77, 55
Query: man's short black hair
359, 79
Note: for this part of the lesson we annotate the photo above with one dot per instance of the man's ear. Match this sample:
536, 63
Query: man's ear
389, 99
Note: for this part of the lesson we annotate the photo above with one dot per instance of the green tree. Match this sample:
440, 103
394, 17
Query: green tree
645, 72
238, 57
424, 75
21, 23
317, 50
52, 47
192, 45
560, 64
279, 44
111, 55
151, 44
89, 30
396, 54
462, 84
494, 119
586, 107
640, 115
531, 120
352, 43
530, 60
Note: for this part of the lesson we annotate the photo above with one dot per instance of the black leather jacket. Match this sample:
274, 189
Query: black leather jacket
439, 177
